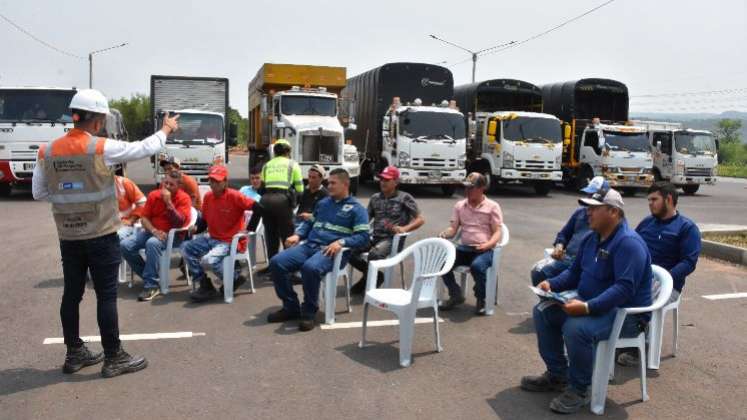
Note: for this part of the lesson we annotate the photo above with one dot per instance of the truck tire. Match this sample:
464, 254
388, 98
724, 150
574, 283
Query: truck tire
354, 185
448, 190
542, 188
690, 189
5, 190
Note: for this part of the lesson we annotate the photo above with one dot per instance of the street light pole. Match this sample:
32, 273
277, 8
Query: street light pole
90, 61
474, 54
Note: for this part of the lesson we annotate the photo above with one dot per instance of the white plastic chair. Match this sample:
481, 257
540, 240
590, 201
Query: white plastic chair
656, 332
398, 243
167, 257
604, 360
256, 237
491, 276
433, 257
229, 262
329, 286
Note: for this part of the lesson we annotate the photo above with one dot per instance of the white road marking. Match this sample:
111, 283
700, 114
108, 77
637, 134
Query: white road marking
131, 337
726, 296
383, 323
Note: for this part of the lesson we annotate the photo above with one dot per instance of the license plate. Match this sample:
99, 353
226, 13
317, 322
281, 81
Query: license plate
435, 174
29, 166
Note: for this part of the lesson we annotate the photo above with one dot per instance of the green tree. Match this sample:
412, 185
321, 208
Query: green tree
241, 124
136, 114
727, 131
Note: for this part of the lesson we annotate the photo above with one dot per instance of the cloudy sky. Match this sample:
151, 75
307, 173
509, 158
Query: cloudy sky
663, 50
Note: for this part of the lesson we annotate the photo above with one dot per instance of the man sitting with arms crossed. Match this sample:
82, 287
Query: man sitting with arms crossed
568, 239
612, 270
165, 209
338, 221
480, 220
672, 239
131, 202
223, 216
393, 212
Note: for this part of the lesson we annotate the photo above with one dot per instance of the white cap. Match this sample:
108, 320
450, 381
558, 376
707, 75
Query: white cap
603, 198
90, 100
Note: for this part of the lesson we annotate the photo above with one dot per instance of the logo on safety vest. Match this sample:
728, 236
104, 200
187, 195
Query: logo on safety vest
347, 207
70, 186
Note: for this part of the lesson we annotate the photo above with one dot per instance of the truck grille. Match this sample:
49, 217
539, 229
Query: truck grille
631, 170
431, 163
195, 168
23, 154
316, 148
546, 165
698, 172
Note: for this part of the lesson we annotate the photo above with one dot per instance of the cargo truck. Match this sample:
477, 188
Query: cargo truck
511, 140
29, 117
598, 139
203, 134
300, 103
404, 118
685, 157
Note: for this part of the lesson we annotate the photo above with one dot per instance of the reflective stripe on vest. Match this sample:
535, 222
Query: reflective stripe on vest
277, 184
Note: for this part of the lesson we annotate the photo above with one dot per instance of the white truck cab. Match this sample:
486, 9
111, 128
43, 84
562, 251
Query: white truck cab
426, 143
685, 157
521, 147
308, 119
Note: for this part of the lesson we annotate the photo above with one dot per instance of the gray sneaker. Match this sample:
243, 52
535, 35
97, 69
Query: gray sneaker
148, 294
628, 359
570, 401
546, 382
79, 357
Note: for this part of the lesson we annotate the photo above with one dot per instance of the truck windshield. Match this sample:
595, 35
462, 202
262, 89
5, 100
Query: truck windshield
626, 142
423, 125
532, 130
35, 105
694, 144
308, 105
197, 129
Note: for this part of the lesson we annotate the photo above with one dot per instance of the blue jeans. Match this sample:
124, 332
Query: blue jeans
550, 270
580, 335
208, 250
124, 232
313, 264
154, 248
478, 262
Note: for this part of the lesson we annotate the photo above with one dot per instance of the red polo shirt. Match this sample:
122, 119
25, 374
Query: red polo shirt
155, 209
225, 214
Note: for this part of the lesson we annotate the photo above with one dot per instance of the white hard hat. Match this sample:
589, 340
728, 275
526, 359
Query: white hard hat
90, 100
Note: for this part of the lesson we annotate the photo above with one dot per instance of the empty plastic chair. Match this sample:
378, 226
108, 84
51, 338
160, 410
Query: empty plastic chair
433, 257
604, 360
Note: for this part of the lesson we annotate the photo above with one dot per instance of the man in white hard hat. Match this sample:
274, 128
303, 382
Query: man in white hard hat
74, 173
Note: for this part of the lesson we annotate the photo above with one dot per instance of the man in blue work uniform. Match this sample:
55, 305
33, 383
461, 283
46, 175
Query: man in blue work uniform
612, 269
672, 239
568, 239
338, 221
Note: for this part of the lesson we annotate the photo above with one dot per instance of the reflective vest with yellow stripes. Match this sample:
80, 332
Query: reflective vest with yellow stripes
281, 173
81, 186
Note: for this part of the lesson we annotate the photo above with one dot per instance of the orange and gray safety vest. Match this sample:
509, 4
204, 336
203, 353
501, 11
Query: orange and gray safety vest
81, 186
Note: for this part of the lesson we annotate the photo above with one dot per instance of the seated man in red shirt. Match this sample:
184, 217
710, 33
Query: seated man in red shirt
165, 209
223, 215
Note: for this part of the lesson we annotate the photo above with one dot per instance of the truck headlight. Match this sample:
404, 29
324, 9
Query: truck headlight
462, 161
714, 171
404, 159
508, 160
612, 169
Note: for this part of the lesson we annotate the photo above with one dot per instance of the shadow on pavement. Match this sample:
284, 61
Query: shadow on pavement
524, 327
50, 283
514, 403
383, 357
23, 379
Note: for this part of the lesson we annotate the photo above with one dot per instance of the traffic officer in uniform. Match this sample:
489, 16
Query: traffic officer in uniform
74, 173
283, 180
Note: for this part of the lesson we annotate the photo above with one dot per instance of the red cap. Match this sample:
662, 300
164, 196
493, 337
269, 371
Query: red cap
390, 173
218, 173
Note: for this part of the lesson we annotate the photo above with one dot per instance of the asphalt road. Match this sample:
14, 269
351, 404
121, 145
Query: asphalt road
245, 368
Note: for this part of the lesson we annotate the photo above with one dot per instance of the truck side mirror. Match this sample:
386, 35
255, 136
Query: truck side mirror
567, 133
233, 130
492, 127
279, 124
718, 145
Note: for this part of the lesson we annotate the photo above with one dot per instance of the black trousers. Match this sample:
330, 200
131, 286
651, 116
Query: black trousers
277, 215
101, 257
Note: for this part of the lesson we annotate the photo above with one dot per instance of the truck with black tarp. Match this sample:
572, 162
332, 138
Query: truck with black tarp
598, 139
202, 103
406, 118
510, 139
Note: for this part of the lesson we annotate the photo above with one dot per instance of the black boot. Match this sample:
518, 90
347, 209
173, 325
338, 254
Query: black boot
122, 363
79, 357
205, 292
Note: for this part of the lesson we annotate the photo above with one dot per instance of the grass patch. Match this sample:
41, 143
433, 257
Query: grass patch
733, 171
735, 239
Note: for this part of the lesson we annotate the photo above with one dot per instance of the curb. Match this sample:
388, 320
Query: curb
724, 252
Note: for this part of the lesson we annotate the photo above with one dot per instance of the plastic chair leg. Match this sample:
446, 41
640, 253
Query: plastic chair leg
491, 292
436, 330
330, 292
655, 335
163, 272
406, 330
251, 273
402, 275
228, 263
642, 357
365, 323
348, 278
675, 329
600, 378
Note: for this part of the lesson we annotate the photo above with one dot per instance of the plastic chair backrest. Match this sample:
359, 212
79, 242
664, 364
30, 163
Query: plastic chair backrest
433, 257
192, 217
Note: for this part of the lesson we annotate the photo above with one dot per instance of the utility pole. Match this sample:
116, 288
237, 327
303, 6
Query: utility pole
90, 61
474, 54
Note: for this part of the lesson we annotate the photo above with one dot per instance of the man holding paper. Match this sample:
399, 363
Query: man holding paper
611, 270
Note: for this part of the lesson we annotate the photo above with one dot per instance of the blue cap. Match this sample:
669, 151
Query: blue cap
597, 183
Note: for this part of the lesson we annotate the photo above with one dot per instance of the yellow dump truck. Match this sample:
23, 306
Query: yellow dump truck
300, 103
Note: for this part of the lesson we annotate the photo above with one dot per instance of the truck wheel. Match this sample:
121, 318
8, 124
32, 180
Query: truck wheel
448, 190
690, 189
354, 186
542, 188
5, 190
